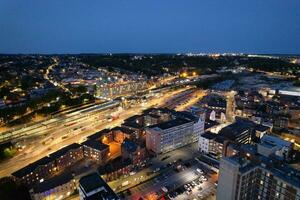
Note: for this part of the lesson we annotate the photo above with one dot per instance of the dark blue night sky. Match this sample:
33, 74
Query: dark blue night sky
149, 26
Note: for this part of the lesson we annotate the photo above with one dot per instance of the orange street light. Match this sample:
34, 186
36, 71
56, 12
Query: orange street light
105, 140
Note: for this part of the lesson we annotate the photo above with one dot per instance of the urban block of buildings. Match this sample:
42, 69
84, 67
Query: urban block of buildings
239, 132
259, 172
167, 136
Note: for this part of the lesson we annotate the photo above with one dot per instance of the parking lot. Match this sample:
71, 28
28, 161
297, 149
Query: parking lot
180, 181
199, 188
155, 167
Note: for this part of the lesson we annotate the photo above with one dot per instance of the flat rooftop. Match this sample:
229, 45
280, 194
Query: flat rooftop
92, 182
235, 129
209, 135
53, 183
31, 167
271, 141
171, 123
64, 150
95, 144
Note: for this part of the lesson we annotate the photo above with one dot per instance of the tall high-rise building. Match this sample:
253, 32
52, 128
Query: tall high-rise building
260, 173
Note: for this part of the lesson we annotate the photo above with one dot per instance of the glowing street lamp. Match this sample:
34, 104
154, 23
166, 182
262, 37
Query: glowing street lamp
104, 139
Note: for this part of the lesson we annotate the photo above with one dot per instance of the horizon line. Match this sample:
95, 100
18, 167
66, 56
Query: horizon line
157, 53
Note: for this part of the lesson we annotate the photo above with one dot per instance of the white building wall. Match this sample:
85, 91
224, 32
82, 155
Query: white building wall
161, 141
199, 127
203, 145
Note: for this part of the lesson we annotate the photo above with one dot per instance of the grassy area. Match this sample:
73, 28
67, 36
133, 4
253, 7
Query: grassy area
7, 153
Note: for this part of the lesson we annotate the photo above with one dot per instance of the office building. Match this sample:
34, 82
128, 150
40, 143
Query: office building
170, 135
242, 131
120, 89
211, 143
274, 145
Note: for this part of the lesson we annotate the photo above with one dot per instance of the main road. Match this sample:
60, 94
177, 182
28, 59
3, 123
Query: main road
55, 83
57, 137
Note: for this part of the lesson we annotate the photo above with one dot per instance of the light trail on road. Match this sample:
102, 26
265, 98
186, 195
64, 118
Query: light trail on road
39, 149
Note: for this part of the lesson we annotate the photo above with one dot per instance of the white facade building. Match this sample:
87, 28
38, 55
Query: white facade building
173, 134
211, 143
205, 143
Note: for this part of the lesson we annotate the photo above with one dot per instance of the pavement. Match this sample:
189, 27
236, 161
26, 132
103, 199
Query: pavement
207, 190
169, 178
172, 180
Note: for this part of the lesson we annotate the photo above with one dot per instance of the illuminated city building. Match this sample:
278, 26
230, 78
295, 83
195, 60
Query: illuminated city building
36, 172
173, 134
259, 173
48, 166
68, 155
135, 152
119, 89
211, 143
58, 187
96, 150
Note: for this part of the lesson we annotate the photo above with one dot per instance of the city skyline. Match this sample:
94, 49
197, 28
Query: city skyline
169, 133
149, 100
267, 27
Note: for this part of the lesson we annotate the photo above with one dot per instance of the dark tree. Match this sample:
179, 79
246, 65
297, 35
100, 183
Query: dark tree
11, 190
